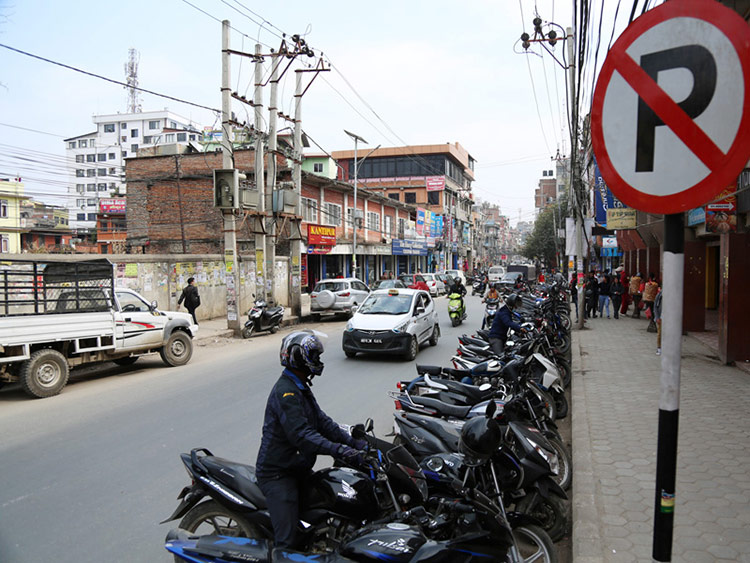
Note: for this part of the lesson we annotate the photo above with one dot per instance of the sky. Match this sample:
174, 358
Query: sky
404, 72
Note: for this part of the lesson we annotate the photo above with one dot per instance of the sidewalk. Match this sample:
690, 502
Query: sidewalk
615, 394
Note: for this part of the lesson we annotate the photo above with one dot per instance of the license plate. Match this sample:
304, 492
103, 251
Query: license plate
371, 340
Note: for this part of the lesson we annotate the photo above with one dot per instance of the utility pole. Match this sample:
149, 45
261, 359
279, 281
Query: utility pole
296, 242
357, 139
231, 268
274, 237
262, 274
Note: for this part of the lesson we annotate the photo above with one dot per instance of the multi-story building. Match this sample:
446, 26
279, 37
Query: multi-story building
435, 178
12, 225
546, 191
47, 227
96, 159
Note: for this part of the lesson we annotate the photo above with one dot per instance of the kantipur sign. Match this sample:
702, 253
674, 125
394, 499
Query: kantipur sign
321, 234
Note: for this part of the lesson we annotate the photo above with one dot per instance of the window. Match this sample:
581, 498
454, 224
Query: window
90, 158
124, 154
112, 186
92, 216
173, 125
153, 124
79, 158
124, 138
101, 187
388, 225
101, 157
332, 214
133, 148
109, 127
373, 221
401, 227
80, 202
3, 207
4, 244
148, 140
318, 167
90, 187
90, 172
192, 137
111, 156
91, 201
112, 171
80, 173
91, 143
134, 132
169, 138
433, 198
181, 137
310, 210
410, 197
123, 125
396, 196
82, 143
80, 216
101, 172
80, 188
71, 144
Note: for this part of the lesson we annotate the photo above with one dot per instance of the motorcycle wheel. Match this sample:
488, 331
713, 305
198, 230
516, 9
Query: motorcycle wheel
209, 517
550, 410
455, 321
274, 329
562, 343
247, 331
565, 475
565, 322
551, 513
561, 403
563, 368
534, 544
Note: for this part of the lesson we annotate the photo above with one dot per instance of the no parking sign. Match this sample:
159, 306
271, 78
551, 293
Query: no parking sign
670, 121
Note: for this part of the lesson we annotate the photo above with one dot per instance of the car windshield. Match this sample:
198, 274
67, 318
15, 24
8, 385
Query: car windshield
496, 270
384, 284
330, 286
511, 276
386, 304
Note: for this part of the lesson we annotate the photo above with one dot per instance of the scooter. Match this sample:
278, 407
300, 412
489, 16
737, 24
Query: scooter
456, 308
262, 317
478, 287
491, 308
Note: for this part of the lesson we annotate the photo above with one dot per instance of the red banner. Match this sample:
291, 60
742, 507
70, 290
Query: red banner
435, 183
320, 234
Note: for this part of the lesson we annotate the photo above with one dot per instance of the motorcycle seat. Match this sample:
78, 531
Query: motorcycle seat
481, 351
472, 392
274, 310
441, 408
237, 476
484, 334
432, 370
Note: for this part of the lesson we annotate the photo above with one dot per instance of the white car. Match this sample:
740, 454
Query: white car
436, 286
453, 273
495, 273
335, 296
394, 321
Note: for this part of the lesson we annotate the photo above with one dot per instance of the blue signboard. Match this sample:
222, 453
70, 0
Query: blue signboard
696, 216
603, 198
401, 247
436, 226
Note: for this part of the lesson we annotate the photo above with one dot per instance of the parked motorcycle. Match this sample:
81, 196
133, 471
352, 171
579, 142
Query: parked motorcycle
262, 317
456, 308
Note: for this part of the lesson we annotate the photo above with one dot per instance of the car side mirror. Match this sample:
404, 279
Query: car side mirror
355, 308
154, 305
419, 310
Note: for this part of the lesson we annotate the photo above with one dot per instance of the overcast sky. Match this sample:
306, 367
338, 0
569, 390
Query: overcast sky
406, 72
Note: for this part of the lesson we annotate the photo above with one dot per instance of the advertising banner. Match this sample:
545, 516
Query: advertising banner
401, 247
112, 205
620, 219
435, 183
604, 199
696, 216
321, 234
721, 216
609, 242
420, 221
319, 249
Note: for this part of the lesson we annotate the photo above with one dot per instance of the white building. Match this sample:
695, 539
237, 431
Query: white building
96, 160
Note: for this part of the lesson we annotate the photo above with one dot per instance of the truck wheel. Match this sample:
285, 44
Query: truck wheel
126, 361
178, 350
45, 373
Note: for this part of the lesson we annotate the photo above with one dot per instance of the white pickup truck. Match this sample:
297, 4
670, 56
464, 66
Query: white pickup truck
58, 315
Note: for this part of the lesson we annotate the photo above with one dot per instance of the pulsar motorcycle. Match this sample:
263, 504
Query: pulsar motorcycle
262, 317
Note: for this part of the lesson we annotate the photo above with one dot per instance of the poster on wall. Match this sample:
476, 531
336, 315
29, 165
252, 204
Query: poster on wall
303, 272
721, 215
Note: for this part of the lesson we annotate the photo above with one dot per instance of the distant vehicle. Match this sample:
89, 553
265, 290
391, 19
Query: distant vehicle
387, 284
495, 273
336, 296
528, 271
436, 285
396, 321
508, 279
454, 273
414, 281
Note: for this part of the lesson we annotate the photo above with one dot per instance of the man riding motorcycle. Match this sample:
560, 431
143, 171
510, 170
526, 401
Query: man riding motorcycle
502, 322
295, 431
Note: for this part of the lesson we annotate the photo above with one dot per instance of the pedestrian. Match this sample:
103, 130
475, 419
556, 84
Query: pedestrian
574, 292
604, 293
592, 296
616, 292
295, 430
649, 294
635, 293
191, 298
657, 318
502, 322
625, 295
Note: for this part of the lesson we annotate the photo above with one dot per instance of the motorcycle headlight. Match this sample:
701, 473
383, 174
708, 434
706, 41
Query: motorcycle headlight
349, 327
401, 327
549, 457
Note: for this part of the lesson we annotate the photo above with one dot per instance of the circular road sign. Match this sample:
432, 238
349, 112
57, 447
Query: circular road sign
670, 122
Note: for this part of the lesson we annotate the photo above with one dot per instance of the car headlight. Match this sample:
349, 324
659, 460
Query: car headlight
349, 326
401, 327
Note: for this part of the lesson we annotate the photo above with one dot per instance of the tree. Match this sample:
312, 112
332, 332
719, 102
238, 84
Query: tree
541, 242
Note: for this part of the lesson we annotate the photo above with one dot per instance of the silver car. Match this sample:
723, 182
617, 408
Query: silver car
437, 287
336, 296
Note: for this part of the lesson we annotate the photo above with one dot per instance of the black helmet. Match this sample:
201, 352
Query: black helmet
480, 438
511, 300
457, 280
301, 350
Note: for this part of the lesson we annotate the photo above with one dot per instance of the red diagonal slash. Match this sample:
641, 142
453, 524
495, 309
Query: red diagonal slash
667, 109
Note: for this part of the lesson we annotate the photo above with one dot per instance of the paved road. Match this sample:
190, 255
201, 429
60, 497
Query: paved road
87, 475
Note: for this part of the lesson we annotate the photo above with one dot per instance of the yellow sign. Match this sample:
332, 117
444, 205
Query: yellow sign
321, 230
131, 270
620, 219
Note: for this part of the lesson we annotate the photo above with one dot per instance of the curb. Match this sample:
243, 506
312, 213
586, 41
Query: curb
587, 545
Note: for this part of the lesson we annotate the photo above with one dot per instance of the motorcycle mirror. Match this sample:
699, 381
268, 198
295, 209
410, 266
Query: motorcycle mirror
358, 431
491, 408
369, 425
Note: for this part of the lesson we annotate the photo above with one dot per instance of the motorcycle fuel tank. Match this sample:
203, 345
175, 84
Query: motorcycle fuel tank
390, 542
344, 491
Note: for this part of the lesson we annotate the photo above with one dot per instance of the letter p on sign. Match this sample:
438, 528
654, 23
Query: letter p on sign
670, 120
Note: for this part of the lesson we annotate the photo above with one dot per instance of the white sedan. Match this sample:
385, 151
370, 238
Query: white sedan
436, 286
395, 321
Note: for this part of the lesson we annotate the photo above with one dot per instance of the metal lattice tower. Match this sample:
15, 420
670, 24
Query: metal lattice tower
131, 77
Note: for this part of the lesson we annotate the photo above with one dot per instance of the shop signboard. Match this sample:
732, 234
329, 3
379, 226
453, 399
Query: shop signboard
319, 248
621, 218
609, 242
112, 205
400, 247
435, 183
721, 215
420, 221
321, 234
696, 216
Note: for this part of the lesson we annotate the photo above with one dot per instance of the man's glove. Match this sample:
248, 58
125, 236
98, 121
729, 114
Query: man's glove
350, 456
360, 444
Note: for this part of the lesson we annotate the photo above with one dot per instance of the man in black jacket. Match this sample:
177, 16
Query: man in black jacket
503, 322
295, 431
191, 298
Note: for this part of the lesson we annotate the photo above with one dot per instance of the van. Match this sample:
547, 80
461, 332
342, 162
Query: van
495, 273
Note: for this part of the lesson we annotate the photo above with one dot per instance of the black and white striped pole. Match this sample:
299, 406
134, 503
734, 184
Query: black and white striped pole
669, 395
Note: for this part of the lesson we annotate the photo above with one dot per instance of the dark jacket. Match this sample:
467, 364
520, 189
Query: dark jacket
295, 430
190, 296
502, 322
604, 287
